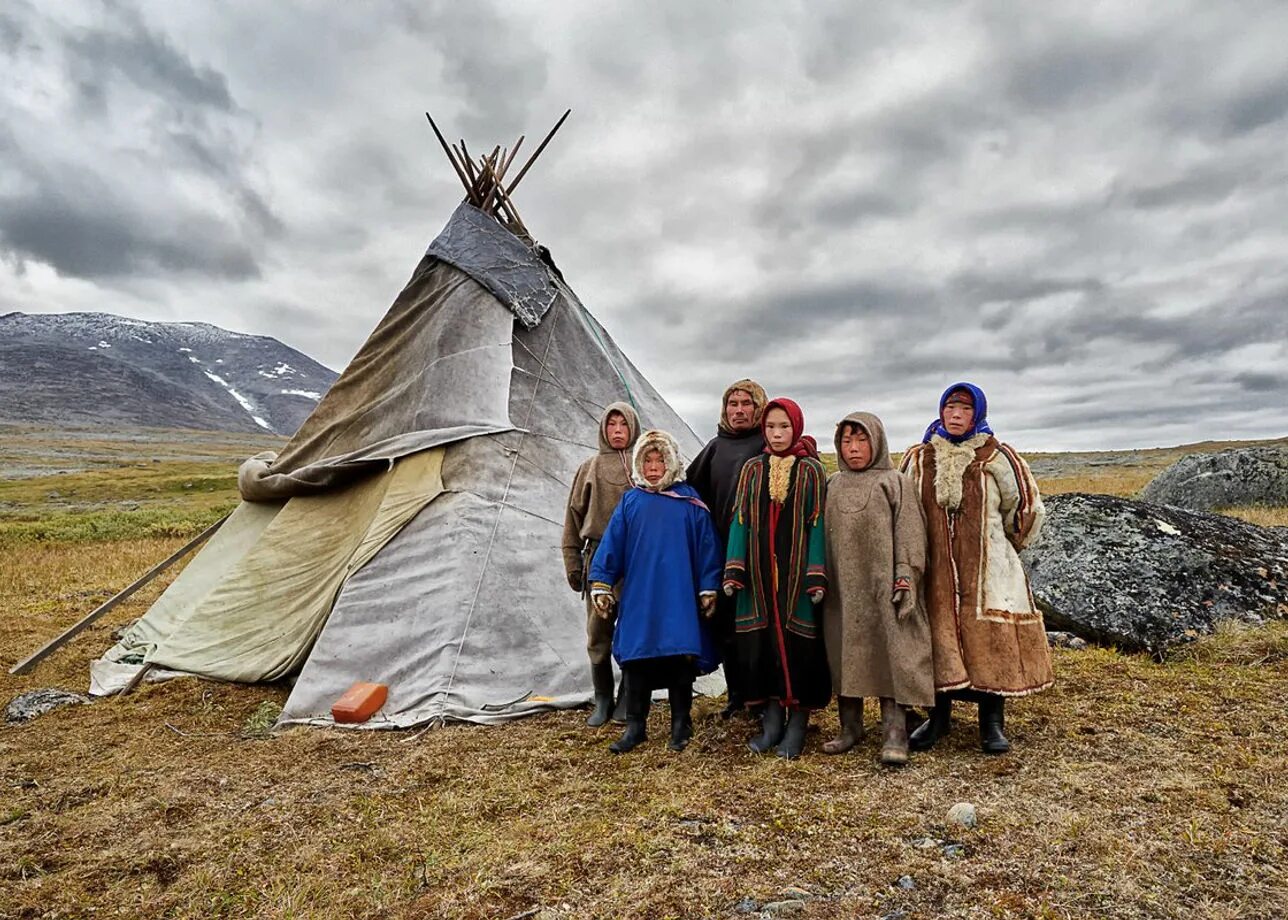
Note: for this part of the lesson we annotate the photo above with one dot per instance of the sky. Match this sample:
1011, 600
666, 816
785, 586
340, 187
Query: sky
1081, 207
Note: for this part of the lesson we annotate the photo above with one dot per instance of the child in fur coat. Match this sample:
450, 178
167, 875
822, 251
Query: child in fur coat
597, 487
874, 625
660, 543
982, 507
775, 564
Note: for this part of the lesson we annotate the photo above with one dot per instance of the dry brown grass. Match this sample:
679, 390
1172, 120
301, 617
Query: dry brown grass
1136, 789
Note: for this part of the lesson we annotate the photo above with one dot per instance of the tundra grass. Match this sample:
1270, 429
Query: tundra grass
1135, 789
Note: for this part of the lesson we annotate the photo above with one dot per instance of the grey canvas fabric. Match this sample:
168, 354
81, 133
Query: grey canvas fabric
464, 613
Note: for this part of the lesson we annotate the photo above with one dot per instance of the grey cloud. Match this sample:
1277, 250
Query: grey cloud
1257, 108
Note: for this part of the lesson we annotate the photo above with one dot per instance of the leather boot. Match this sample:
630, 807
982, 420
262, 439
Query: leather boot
623, 698
925, 735
638, 699
601, 678
850, 711
681, 698
992, 717
894, 730
771, 729
793, 743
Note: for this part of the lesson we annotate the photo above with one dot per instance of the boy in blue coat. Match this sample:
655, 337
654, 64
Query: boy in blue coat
661, 545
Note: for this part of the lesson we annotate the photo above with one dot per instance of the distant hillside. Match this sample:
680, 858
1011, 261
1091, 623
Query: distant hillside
96, 369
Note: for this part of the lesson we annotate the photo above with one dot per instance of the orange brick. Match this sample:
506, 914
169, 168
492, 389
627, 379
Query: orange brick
360, 702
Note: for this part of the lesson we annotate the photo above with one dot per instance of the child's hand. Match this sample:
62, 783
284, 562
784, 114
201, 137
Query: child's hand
904, 598
604, 604
816, 596
707, 604
730, 588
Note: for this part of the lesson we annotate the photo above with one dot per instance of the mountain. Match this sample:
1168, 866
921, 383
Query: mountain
100, 370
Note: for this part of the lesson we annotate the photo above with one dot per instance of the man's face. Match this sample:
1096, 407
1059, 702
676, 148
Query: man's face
617, 431
654, 467
958, 415
778, 430
856, 448
740, 411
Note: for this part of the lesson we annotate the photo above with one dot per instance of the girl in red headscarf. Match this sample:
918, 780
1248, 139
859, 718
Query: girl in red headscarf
775, 564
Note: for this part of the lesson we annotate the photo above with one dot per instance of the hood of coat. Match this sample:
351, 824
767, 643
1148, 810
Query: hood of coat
758, 399
632, 422
669, 448
876, 435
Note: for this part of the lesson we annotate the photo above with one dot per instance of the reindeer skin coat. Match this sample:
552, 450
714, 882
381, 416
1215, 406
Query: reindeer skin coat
875, 534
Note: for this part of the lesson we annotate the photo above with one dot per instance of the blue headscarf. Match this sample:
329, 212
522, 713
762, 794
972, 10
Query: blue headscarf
980, 425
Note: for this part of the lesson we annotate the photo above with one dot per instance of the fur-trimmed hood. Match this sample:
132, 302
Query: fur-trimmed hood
626, 411
758, 399
876, 436
669, 448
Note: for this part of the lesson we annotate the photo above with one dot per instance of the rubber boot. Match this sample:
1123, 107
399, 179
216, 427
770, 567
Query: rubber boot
601, 678
771, 729
793, 743
925, 735
638, 699
850, 711
681, 698
623, 697
894, 732
992, 717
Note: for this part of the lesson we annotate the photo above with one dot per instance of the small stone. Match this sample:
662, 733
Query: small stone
34, 703
962, 814
906, 883
747, 906
925, 843
796, 893
1058, 639
895, 915
55, 495
783, 908
954, 850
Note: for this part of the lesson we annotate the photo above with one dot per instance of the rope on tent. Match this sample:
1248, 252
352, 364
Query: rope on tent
496, 524
594, 327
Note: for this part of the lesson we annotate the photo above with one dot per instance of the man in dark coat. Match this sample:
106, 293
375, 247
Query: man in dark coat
714, 473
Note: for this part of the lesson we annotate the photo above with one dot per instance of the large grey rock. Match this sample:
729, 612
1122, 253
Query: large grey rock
1145, 577
1240, 476
27, 706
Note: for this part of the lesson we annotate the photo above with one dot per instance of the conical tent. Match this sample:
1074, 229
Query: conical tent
409, 534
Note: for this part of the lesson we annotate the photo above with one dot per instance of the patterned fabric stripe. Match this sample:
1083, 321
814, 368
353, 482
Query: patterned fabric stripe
601, 587
1024, 518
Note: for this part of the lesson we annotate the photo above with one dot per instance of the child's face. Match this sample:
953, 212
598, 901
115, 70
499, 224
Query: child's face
617, 431
856, 449
958, 415
740, 411
778, 430
654, 467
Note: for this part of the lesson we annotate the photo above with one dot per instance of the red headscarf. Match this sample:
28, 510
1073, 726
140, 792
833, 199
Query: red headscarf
803, 445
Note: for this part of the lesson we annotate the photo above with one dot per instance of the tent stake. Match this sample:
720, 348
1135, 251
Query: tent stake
137, 679
53, 645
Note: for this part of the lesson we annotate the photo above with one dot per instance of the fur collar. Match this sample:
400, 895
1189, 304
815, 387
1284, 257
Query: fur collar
951, 461
663, 443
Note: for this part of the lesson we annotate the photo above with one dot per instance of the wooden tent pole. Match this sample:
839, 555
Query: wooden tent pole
136, 679
447, 150
53, 645
536, 153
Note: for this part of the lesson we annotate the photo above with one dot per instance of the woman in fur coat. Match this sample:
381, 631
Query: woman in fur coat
661, 545
982, 507
775, 562
874, 624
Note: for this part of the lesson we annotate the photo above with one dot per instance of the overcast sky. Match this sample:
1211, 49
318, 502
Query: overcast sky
1081, 207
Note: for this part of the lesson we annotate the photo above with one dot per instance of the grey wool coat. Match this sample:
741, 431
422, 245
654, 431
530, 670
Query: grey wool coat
876, 533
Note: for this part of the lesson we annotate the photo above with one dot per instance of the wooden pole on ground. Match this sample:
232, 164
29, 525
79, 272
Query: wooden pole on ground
53, 645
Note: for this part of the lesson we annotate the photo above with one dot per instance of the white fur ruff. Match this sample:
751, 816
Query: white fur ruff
951, 461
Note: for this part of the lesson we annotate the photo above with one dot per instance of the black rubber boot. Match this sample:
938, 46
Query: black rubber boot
793, 743
771, 729
925, 735
638, 699
992, 718
681, 698
623, 697
601, 678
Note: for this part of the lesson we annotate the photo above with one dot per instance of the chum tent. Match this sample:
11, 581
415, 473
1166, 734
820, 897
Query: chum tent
409, 533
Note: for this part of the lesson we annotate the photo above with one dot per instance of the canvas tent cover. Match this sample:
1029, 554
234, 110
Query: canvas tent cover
409, 534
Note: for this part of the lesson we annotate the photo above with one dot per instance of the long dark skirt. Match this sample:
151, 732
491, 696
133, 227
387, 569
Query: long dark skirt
806, 682
662, 673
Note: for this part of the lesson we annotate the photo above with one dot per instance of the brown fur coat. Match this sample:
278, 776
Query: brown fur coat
596, 489
982, 506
